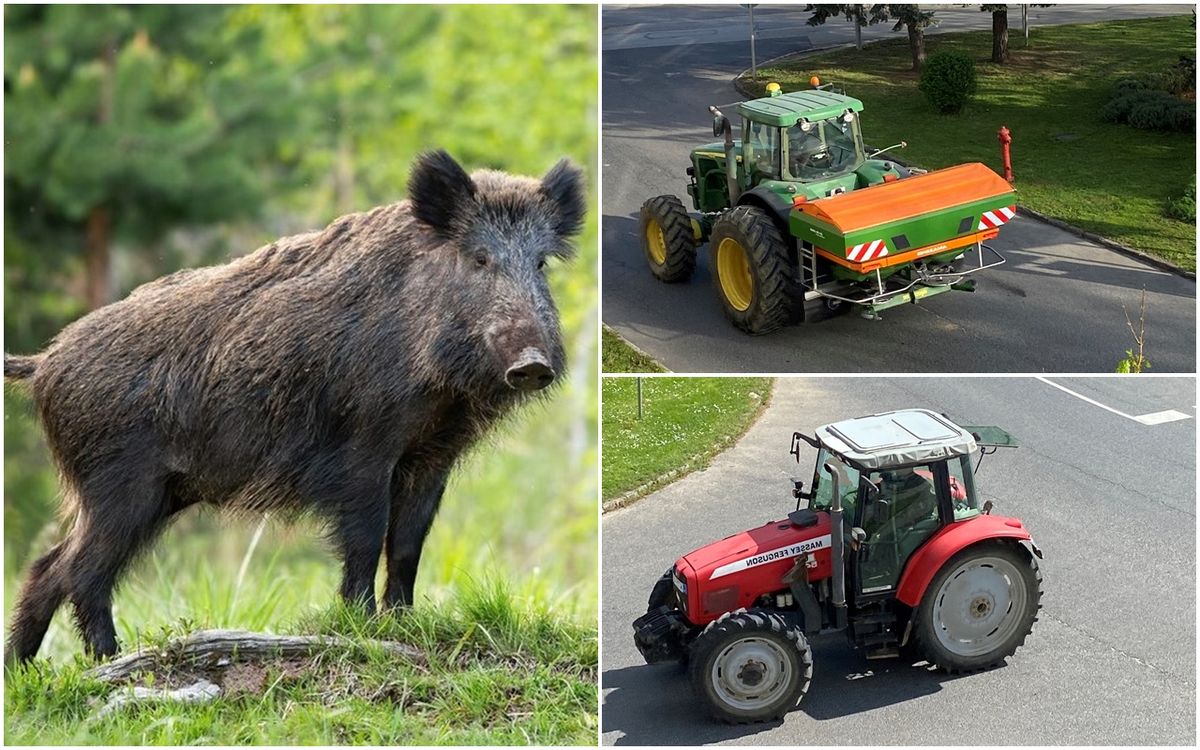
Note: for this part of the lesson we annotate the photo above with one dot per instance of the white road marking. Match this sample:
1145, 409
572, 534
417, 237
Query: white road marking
1158, 417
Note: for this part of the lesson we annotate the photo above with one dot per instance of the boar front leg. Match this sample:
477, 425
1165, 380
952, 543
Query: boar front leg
359, 535
414, 504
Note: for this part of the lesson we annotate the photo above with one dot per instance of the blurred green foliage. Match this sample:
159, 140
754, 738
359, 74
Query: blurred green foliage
206, 132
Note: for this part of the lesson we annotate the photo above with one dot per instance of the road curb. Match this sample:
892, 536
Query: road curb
1153, 260
692, 464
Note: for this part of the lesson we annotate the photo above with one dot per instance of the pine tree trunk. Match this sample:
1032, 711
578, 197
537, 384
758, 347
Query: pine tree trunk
1000, 36
96, 257
916, 43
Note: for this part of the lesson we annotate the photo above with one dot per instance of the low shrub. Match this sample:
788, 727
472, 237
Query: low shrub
1184, 207
948, 80
1148, 109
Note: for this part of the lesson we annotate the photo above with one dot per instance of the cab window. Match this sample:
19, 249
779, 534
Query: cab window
962, 488
762, 145
823, 486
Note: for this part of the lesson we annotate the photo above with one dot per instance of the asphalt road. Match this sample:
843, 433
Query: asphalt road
1057, 306
1110, 500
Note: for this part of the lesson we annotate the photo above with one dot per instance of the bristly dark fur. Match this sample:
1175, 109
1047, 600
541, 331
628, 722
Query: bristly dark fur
339, 373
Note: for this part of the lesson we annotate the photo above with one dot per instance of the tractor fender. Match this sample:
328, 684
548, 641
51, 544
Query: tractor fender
779, 209
946, 543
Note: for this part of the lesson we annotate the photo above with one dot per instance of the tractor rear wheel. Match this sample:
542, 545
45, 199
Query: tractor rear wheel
750, 665
667, 239
979, 608
752, 272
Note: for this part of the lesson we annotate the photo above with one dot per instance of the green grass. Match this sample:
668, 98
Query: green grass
685, 422
1112, 180
502, 667
619, 356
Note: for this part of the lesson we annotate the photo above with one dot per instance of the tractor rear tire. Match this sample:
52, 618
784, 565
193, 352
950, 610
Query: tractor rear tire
667, 239
979, 608
752, 271
750, 666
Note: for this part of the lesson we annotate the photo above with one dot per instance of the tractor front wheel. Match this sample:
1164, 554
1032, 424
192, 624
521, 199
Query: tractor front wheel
750, 666
752, 272
667, 239
979, 608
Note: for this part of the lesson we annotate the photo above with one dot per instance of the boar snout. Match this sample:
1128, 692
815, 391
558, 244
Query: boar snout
531, 371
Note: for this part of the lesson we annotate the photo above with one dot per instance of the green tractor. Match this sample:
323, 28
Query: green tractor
804, 222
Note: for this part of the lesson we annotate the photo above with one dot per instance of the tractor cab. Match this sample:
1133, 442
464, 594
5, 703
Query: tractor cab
804, 143
906, 475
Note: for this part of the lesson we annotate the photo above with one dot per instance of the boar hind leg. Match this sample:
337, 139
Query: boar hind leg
111, 530
414, 505
40, 597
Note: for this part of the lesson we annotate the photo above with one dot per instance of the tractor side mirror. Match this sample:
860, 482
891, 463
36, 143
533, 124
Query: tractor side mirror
720, 123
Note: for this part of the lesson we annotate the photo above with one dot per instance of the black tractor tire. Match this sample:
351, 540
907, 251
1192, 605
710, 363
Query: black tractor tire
665, 218
742, 629
771, 300
925, 640
662, 593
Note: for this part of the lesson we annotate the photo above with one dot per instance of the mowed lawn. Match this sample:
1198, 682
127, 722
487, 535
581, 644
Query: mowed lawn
684, 422
1113, 180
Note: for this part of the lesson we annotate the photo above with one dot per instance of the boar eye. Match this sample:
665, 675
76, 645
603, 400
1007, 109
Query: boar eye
541, 263
481, 259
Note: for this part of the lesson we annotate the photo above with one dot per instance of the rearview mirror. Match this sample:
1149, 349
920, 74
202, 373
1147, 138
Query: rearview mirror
720, 122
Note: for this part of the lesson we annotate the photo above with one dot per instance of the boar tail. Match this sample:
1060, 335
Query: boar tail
18, 367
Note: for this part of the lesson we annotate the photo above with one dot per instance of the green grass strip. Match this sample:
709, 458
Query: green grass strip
684, 423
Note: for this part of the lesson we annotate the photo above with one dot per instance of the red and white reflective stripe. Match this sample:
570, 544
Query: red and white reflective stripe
993, 219
867, 251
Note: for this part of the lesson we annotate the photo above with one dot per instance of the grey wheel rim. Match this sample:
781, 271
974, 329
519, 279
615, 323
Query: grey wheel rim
979, 606
751, 673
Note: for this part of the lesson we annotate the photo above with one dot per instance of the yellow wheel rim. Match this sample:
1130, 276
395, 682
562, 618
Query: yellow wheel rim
655, 242
733, 271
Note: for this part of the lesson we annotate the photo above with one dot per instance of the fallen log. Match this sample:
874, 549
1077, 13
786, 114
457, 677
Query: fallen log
215, 649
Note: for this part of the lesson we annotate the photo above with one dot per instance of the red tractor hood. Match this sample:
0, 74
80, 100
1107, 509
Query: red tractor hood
733, 572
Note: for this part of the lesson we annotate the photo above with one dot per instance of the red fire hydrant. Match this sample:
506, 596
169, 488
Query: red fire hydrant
1005, 139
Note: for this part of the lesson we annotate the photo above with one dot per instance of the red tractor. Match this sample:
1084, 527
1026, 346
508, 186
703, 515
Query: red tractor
894, 549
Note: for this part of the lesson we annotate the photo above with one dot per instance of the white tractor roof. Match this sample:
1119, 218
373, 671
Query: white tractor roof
896, 438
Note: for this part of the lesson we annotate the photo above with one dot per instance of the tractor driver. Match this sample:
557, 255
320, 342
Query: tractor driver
803, 148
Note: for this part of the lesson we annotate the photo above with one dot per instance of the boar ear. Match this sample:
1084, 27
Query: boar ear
439, 191
563, 185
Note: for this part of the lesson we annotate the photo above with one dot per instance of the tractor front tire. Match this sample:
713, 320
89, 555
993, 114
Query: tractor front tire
667, 239
750, 666
662, 592
752, 272
979, 608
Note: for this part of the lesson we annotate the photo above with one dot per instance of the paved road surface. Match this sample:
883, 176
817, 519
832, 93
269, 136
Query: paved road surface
1110, 500
1056, 306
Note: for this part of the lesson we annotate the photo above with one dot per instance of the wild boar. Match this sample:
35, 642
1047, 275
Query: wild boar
339, 373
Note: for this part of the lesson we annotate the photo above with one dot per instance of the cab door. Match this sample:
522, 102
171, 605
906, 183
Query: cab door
897, 511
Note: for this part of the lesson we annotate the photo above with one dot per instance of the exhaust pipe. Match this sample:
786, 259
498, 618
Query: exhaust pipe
838, 473
731, 182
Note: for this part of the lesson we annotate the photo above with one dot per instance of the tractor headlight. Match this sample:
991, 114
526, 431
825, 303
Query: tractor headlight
680, 586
